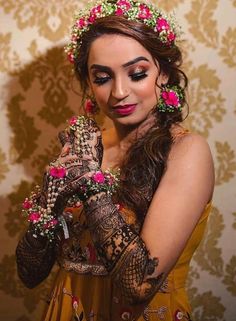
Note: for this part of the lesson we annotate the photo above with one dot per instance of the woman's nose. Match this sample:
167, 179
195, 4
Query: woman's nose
120, 88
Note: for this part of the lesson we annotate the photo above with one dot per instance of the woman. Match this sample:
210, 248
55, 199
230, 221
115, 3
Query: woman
125, 253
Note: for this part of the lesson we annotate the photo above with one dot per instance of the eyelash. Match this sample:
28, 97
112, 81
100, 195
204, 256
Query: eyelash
135, 77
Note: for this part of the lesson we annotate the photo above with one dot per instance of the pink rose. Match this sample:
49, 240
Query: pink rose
170, 98
97, 9
171, 36
81, 23
73, 120
58, 172
144, 12
98, 177
34, 217
162, 24
119, 12
26, 204
92, 18
124, 4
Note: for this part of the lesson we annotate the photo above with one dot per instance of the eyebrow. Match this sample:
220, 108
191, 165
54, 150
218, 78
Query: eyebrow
127, 64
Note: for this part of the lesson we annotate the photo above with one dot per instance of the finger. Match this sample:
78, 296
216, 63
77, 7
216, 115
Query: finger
66, 150
64, 137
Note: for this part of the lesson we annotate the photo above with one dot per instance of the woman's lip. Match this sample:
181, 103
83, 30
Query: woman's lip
125, 109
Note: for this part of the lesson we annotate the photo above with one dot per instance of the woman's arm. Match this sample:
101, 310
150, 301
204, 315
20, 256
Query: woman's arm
140, 263
36, 254
35, 258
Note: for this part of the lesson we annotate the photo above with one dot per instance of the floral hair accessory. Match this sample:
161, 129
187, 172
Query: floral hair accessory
165, 26
171, 98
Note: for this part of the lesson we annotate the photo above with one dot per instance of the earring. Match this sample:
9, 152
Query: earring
171, 98
91, 107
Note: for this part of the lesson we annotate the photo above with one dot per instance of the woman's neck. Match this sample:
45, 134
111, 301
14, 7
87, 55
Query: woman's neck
118, 139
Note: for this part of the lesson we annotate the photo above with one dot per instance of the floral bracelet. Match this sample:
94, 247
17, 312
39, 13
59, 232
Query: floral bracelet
107, 181
43, 221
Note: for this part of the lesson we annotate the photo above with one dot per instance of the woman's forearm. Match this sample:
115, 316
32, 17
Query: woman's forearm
122, 251
35, 258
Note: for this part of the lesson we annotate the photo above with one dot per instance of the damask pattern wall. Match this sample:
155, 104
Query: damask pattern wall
38, 95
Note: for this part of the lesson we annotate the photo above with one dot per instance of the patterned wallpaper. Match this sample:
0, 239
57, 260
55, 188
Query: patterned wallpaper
38, 94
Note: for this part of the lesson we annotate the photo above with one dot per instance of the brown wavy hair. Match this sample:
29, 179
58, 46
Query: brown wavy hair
146, 160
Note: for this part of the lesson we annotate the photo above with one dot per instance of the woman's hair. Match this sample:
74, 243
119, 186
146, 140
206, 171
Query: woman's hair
146, 160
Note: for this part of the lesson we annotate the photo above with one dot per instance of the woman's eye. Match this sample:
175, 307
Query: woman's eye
138, 76
101, 80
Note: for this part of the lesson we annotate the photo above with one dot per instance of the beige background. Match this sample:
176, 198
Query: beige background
37, 97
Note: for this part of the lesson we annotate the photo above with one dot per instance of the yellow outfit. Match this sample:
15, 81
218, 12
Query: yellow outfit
83, 290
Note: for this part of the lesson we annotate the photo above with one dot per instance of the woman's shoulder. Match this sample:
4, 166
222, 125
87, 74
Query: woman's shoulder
188, 142
190, 159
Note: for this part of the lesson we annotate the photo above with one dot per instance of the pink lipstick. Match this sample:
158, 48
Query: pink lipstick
125, 110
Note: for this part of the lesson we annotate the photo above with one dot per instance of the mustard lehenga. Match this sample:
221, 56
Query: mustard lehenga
83, 290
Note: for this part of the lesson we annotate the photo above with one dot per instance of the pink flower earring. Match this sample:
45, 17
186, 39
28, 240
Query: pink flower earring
91, 107
171, 98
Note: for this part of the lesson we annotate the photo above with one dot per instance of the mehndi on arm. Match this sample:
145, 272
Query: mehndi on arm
122, 250
35, 258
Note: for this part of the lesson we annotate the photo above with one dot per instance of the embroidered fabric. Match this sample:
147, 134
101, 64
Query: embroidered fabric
83, 267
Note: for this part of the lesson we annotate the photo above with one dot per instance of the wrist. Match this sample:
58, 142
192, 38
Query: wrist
98, 183
43, 221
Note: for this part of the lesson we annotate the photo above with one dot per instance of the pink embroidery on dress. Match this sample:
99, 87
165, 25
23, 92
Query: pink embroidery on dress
179, 315
75, 305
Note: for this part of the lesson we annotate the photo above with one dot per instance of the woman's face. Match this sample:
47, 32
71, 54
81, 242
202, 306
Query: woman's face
122, 77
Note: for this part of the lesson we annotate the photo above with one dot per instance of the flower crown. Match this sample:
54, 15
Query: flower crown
164, 26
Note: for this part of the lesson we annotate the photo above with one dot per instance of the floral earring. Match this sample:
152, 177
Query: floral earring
91, 107
171, 98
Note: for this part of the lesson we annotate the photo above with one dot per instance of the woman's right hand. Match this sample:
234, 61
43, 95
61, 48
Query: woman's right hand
80, 157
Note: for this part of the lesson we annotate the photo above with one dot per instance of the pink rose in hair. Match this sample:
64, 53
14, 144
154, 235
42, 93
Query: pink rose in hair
58, 172
26, 204
124, 4
144, 12
119, 12
81, 23
162, 24
171, 36
98, 177
92, 18
96, 10
34, 217
170, 98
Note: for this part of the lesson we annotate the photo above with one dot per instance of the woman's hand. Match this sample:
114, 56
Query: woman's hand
80, 157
